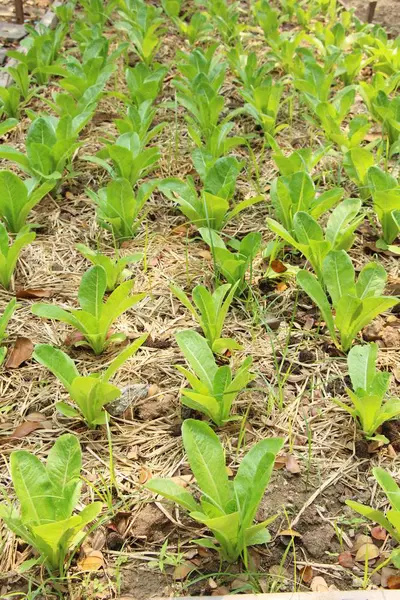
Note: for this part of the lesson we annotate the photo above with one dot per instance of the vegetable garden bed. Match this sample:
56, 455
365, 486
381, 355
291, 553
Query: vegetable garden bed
249, 150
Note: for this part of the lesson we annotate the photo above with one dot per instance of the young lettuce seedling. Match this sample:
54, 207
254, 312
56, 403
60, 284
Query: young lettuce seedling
369, 389
115, 267
233, 265
139, 120
310, 239
295, 193
18, 197
390, 521
213, 388
211, 312
4, 319
119, 208
90, 393
385, 191
9, 254
142, 22
95, 317
48, 495
227, 508
354, 303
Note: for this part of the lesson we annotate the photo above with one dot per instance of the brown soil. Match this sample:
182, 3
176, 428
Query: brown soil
387, 13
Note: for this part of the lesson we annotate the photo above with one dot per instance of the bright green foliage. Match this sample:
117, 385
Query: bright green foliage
303, 159
390, 521
207, 64
225, 16
233, 266
216, 146
119, 208
22, 79
42, 50
354, 303
295, 193
388, 113
7, 125
172, 8
95, 317
4, 319
356, 163
48, 495
93, 71
350, 66
196, 29
212, 309
267, 19
80, 111
97, 12
379, 83
210, 208
263, 103
65, 12
385, 191
50, 145
115, 267
144, 83
142, 22
10, 102
18, 197
91, 393
310, 239
315, 81
247, 69
129, 160
369, 389
213, 389
9, 253
227, 508
138, 120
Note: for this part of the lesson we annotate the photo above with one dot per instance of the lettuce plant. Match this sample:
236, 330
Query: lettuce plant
142, 22
303, 159
22, 79
7, 125
225, 16
80, 111
227, 508
369, 389
233, 266
350, 66
144, 83
195, 29
119, 208
139, 120
356, 163
391, 521
50, 145
385, 191
211, 312
315, 81
388, 113
115, 267
262, 103
10, 102
4, 319
310, 239
42, 48
295, 193
97, 12
247, 69
94, 317
210, 208
268, 19
9, 253
90, 393
172, 8
207, 64
48, 495
213, 389
18, 197
129, 160
354, 303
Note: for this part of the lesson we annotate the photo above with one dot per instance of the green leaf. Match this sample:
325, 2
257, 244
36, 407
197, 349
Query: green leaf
312, 287
361, 363
63, 467
371, 281
207, 461
338, 272
172, 491
123, 357
198, 354
67, 410
92, 289
389, 486
59, 363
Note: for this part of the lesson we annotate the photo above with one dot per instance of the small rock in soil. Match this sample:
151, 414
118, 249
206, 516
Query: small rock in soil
390, 337
153, 408
372, 332
151, 524
12, 32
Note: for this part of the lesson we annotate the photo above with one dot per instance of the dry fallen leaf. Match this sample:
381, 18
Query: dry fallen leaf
93, 561
387, 572
292, 465
378, 533
367, 552
183, 480
25, 428
290, 533
306, 573
35, 416
318, 584
345, 560
393, 582
280, 462
278, 266
31, 293
281, 287
182, 571
21, 351
360, 541
144, 475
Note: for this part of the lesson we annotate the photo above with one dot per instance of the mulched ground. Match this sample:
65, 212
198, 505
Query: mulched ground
298, 375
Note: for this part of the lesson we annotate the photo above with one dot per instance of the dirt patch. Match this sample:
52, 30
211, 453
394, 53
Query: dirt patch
387, 13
